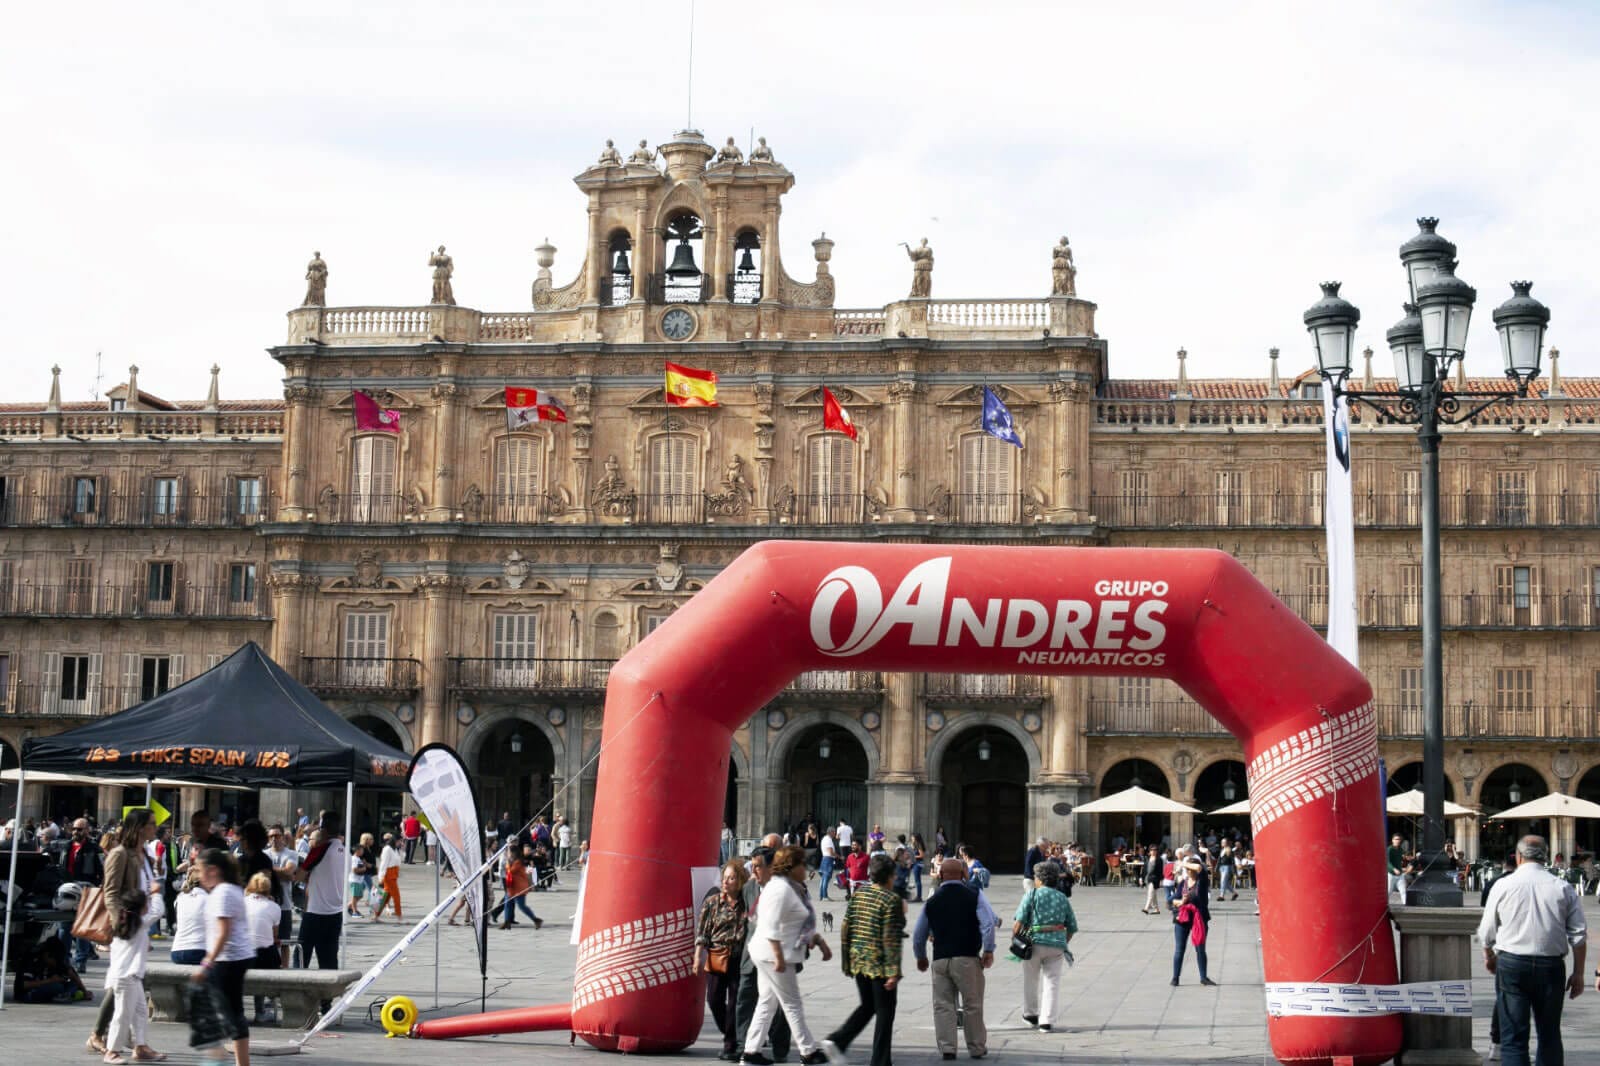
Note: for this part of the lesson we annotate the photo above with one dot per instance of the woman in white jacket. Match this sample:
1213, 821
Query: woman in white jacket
786, 928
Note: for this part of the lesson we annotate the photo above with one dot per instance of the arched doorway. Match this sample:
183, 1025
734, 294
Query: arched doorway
515, 768
378, 812
1220, 784
1588, 829
827, 775
983, 775
1140, 829
1504, 788
1403, 780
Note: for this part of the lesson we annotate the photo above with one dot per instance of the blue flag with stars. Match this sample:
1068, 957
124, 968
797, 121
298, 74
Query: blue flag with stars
997, 420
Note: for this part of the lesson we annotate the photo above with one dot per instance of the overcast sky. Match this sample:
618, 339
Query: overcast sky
166, 177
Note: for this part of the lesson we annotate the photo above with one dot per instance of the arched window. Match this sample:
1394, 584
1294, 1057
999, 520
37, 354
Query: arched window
674, 479
831, 494
744, 285
516, 480
372, 480
683, 281
617, 286
988, 481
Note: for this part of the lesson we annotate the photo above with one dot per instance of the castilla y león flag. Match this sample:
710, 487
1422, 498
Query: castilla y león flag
527, 406
688, 387
370, 416
834, 416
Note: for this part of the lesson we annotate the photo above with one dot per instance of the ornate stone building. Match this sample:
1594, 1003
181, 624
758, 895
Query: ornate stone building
465, 582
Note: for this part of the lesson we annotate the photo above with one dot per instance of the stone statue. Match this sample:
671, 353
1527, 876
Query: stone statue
729, 153
610, 495
443, 267
316, 282
644, 155
921, 269
734, 480
610, 157
1063, 275
761, 153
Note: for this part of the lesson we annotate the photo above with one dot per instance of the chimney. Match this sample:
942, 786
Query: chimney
1183, 373
132, 401
53, 405
1555, 374
1272, 378
1366, 377
212, 396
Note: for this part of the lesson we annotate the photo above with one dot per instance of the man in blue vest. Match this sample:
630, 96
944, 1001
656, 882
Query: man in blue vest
963, 947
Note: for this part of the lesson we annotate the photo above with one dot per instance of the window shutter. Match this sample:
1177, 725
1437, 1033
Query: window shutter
132, 679
93, 701
50, 683
213, 658
174, 671
986, 484
672, 477
1535, 595
832, 478
1316, 496
516, 478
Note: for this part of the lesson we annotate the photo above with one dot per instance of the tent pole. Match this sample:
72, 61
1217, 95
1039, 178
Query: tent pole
149, 786
435, 929
349, 815
11, 880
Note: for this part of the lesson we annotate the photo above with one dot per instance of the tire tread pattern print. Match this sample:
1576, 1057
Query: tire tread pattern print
1311, 764
634, 955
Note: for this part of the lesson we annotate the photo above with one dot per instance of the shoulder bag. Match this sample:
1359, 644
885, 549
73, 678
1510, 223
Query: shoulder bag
1022, 943
93, 922
719, 959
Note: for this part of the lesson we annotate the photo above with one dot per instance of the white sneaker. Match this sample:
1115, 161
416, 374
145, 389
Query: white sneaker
835, 1056
1494, 1053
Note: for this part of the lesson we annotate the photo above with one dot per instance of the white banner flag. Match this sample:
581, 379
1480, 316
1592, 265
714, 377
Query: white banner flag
1339, 514
440, 785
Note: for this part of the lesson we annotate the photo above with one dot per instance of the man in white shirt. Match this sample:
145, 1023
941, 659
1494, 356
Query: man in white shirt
324, 871
284, 860
845, 835
1530, 921
563, 842
830, 854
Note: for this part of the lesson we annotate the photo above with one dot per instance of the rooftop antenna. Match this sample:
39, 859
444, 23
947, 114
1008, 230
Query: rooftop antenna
688, 118
94, 393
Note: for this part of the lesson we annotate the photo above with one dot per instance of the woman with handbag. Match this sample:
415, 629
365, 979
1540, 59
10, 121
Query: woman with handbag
1191, 912
1045, 921
718, 942
1152, 881
132, 891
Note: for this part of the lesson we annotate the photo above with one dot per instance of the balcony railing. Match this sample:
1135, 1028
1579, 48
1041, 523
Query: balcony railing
1374, 510
359, 675
110, 601
143, 511
1469, 721
370, 508
1567, 610
826, 509
1177, 717
36, 699
957, 687
666, 289
520, 675
860, 686
981, 508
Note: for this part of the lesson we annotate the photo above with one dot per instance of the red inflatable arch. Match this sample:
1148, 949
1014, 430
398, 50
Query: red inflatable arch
784, 607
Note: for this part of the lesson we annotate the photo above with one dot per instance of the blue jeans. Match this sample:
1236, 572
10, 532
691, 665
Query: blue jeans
189, 956
520, 902
1180, 944
1527, 985
826, 872
1227, 880
916, 875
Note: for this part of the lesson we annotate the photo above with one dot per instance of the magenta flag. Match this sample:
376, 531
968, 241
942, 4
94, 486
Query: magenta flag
369, 416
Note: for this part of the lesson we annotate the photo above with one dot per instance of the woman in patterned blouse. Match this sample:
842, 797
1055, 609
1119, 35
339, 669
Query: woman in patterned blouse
722, 925
1047, 914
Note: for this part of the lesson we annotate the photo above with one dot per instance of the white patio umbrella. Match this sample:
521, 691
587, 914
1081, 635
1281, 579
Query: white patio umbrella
1409, 805
1240, 807
1135, 801
1554, 805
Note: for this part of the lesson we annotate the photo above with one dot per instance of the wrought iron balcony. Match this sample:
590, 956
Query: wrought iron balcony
523, 675
1478, 721
1567, 610
984, 688
110, 601
1111, 717
354, 676
141, 511
1466, 510
982, 508
369, 508
825, 509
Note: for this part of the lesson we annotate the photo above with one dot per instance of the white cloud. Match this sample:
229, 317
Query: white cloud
169, 175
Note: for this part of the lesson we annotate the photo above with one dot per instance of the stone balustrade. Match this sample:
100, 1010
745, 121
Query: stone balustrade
1024, 316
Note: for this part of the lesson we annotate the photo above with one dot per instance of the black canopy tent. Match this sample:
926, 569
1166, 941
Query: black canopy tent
244, 722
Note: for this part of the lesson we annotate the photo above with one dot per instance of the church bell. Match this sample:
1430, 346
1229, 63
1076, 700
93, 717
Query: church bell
621, 264
683, 262
747, 264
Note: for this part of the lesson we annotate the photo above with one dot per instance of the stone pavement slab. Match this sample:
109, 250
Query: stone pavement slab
1118, 1006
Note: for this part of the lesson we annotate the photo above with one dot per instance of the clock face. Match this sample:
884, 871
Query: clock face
677, 324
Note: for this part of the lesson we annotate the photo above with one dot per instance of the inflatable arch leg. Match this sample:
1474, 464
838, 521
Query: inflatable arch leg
1196, 617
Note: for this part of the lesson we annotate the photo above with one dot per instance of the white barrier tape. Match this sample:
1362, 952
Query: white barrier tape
1453, 998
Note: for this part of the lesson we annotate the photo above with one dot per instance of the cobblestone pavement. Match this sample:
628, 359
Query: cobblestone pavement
1118, 1005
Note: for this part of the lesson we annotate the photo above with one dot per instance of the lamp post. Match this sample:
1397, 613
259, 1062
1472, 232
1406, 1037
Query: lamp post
1425, 344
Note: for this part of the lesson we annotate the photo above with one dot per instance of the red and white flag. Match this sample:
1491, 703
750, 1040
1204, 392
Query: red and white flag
371, 416
834, 416
524, 407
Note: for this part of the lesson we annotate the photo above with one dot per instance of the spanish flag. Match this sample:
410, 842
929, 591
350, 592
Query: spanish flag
688, 387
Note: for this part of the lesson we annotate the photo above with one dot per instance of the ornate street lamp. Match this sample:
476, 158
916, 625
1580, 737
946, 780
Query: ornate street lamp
516, 743
1425, 343
1229, 789
825, 749
1514, 793
984, 749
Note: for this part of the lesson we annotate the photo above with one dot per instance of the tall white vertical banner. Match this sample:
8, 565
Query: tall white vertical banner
1339, 514
442, 788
